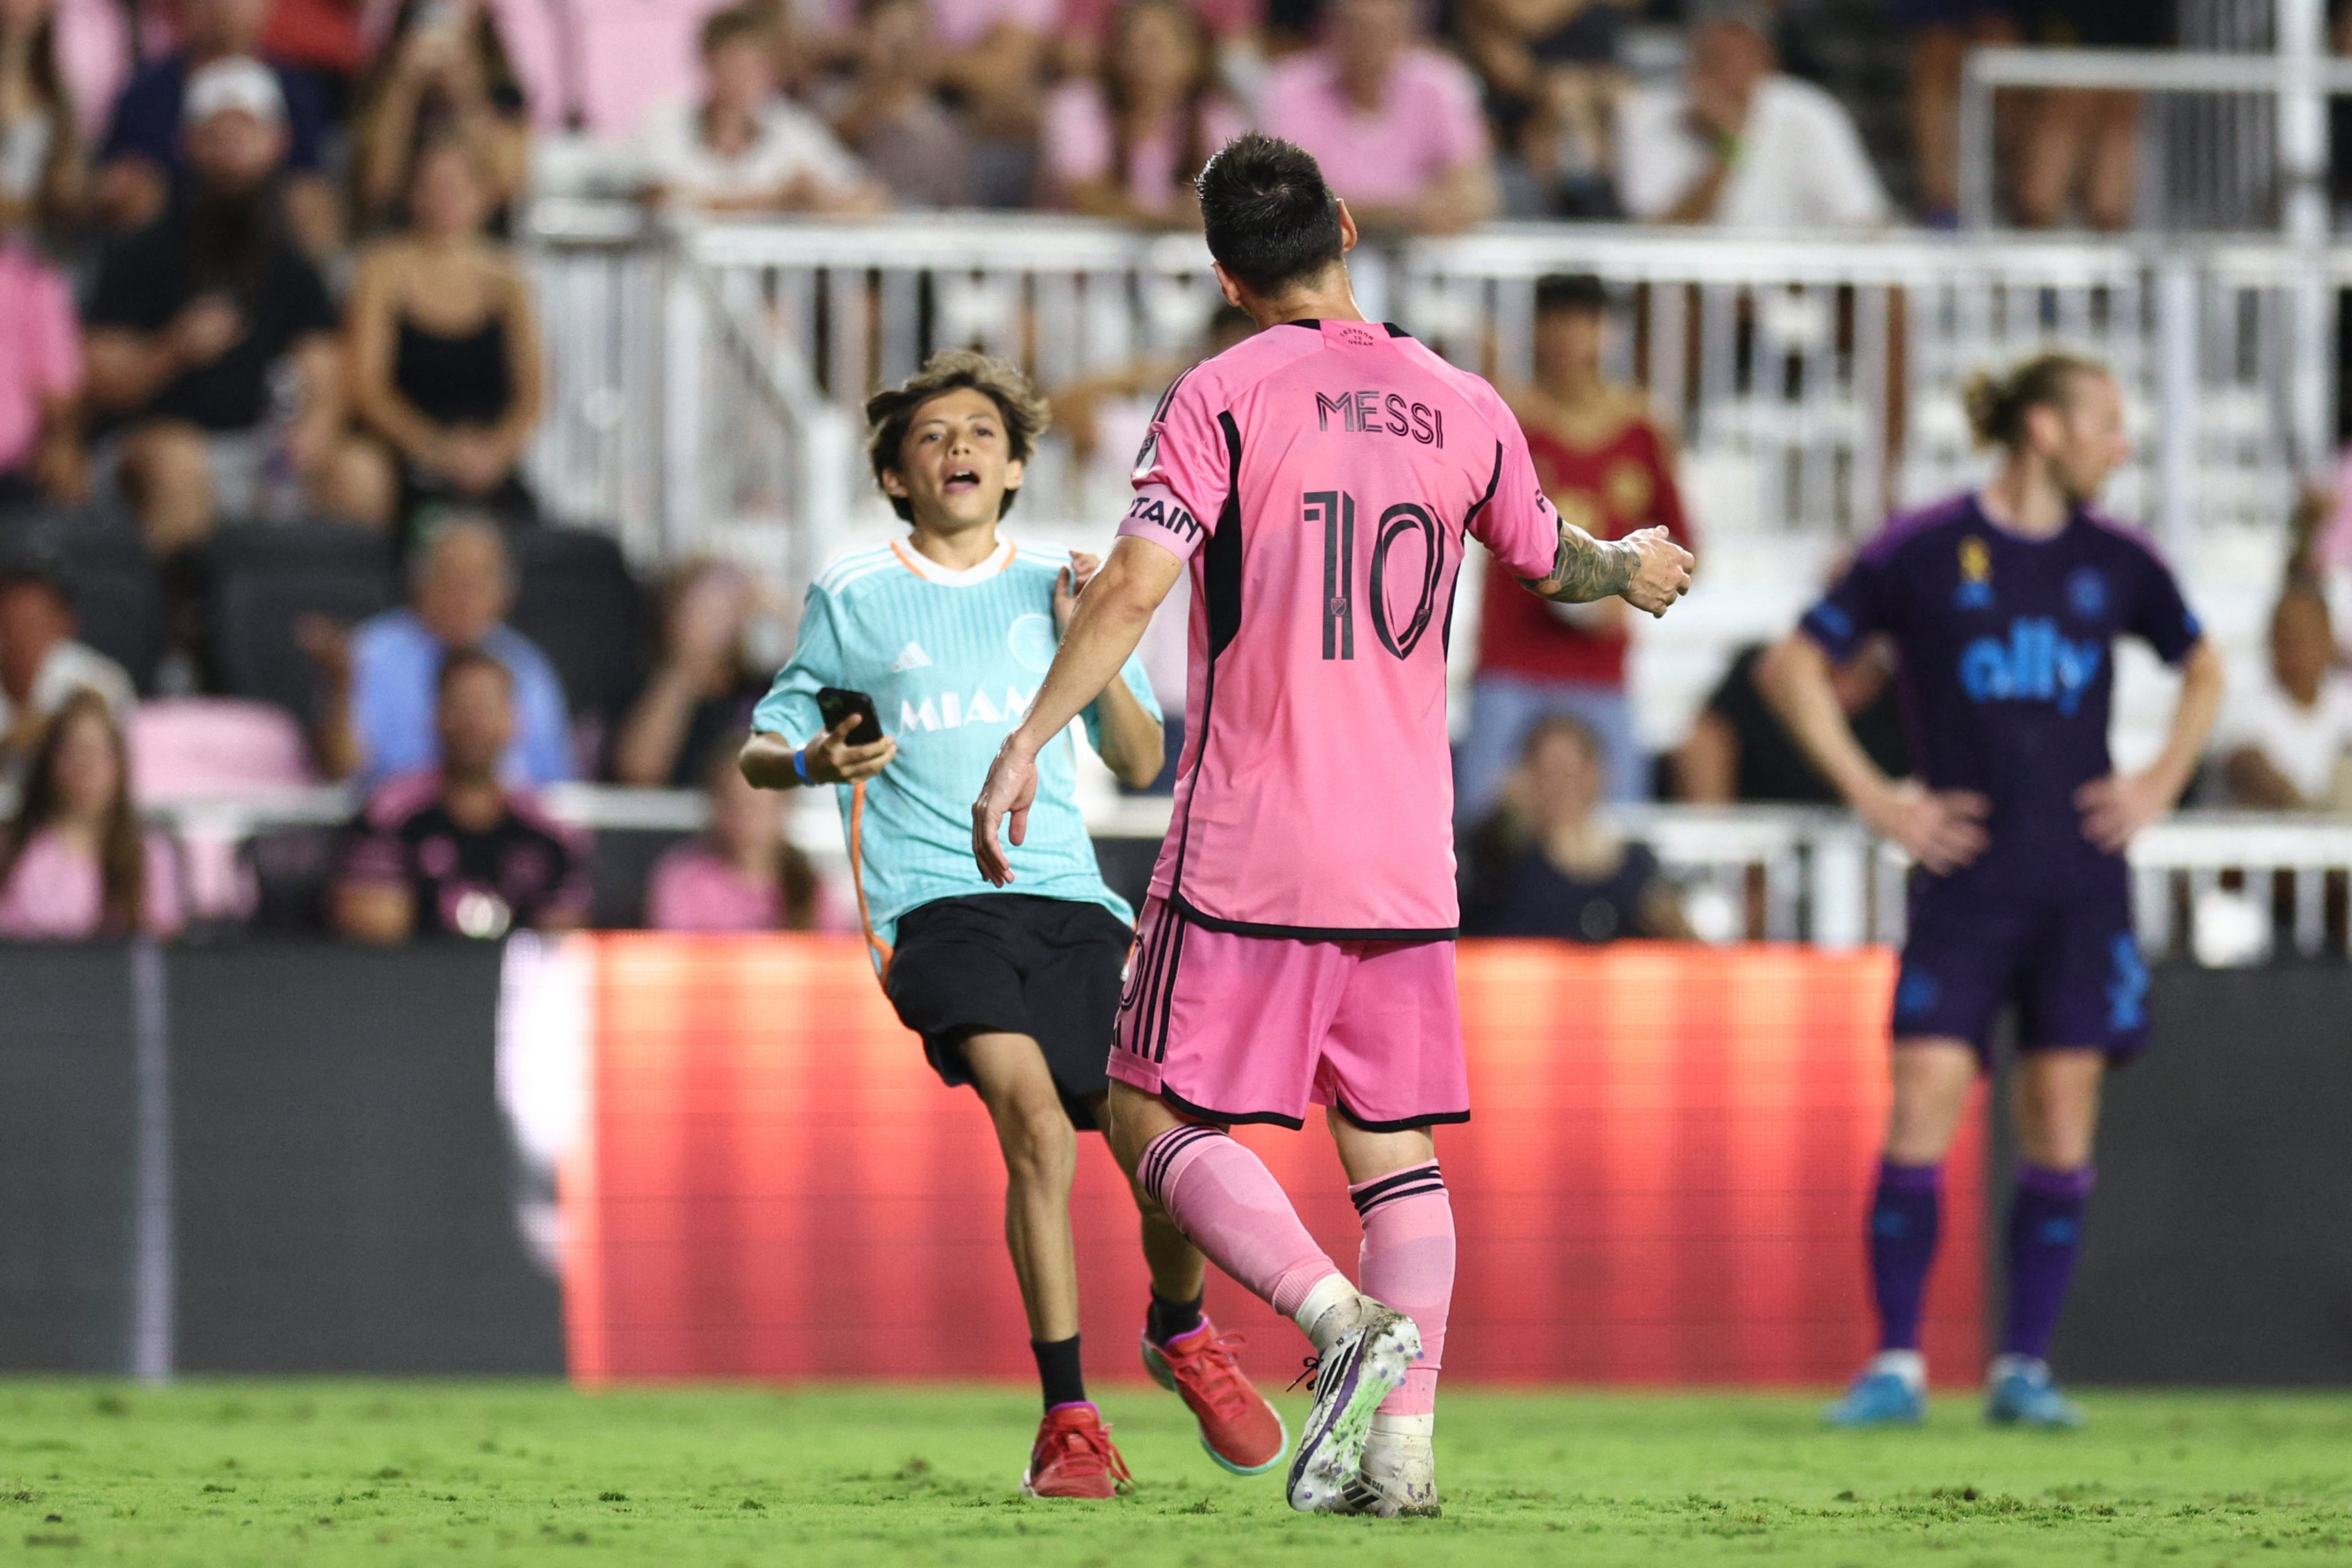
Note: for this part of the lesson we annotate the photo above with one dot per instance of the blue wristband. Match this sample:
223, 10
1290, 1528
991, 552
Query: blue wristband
800, 765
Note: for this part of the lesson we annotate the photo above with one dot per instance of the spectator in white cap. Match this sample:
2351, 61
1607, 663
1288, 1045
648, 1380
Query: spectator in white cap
1737, 145
213, 370
144, 155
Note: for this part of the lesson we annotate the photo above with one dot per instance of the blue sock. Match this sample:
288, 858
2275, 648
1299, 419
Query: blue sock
2045, 1234
1904, 1220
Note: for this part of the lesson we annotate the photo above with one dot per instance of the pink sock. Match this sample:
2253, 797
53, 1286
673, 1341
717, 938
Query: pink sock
1223, 1198
1408, 1263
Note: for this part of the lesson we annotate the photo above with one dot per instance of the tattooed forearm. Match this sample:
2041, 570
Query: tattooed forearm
1585, 568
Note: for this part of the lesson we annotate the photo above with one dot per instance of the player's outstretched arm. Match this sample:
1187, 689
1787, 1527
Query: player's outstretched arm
1942, 829
1649, 570
1132, 745
2114, 808
1104, 630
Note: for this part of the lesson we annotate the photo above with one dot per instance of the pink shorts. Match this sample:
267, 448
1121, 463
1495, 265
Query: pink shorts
1254, 1028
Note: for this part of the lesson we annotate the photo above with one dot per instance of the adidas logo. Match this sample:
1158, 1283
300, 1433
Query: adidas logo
912, 657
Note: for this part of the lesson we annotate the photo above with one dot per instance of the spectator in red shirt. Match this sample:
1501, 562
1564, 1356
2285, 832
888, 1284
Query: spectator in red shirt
1610, 470
455, 852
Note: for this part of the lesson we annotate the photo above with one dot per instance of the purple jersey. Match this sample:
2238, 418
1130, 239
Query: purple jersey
2007, 662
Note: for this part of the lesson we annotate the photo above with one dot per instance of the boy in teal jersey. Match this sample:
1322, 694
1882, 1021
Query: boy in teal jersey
950, 631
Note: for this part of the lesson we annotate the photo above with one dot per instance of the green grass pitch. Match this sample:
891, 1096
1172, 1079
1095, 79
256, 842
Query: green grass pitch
399, 1473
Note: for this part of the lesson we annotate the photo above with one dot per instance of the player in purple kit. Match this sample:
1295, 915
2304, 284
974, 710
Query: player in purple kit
2005, 605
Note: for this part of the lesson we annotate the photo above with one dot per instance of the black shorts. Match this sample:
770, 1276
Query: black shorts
1010, 964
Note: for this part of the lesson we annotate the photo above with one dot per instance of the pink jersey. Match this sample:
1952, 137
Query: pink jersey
1319, 478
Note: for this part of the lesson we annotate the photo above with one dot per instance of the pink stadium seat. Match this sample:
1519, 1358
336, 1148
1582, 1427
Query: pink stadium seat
614, 59
199, 747
187, 749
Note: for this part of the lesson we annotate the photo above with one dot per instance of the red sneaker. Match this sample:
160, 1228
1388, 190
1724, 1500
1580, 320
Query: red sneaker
1238, 1427
1073, 1457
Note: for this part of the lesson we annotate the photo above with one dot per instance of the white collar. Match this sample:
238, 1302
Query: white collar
931, 571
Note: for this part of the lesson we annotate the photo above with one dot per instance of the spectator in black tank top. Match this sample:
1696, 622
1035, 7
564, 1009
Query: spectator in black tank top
444, 347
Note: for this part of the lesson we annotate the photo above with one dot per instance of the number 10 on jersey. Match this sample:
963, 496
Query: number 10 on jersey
1335, 512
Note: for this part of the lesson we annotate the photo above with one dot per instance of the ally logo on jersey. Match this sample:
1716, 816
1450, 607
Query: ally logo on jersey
2034, 663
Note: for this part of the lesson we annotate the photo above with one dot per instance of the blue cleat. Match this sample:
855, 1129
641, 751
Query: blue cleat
1892, 1391
2019, 1393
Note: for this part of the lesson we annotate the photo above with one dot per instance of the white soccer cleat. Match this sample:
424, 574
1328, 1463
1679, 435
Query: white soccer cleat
1397, 1478
1359, 1367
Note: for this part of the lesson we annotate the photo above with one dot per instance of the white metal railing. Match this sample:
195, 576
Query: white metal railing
1748, 872
1827, 373
707, 376
2283, 78
676, 417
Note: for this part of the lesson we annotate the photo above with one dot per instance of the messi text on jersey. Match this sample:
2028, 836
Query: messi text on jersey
1370, 412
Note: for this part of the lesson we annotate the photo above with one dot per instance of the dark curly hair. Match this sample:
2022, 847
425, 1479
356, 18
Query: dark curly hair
889, 414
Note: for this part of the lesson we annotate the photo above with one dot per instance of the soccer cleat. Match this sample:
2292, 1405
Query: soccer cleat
1356, 1371
1892, 1391
2019, 1393
1240, 1430
1397, 1478
1074, 1456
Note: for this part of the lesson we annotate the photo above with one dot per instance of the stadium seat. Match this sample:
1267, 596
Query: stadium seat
598, 65
580, 604
288, 871
116, 594
197, 748
266, 578
619, 872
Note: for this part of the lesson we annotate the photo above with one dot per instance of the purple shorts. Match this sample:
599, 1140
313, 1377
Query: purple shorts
1255, 1028
2067, 959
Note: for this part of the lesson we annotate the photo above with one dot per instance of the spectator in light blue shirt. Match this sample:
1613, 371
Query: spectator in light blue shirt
463, 587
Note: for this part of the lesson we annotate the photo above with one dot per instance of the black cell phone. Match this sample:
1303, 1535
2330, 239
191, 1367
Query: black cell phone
834, 704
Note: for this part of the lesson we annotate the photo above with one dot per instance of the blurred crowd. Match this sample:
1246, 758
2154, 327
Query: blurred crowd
257, 279
451, 721
254, 255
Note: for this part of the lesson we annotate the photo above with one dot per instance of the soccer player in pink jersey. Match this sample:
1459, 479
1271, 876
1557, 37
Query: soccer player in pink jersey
1318, 480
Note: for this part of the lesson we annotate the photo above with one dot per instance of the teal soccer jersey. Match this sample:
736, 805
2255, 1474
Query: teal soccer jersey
953, 660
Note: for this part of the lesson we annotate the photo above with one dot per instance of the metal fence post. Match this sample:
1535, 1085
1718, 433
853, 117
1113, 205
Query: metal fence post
1838, 861
681, 409
154, 1288
1976, 144
2303, 118
2177, 371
